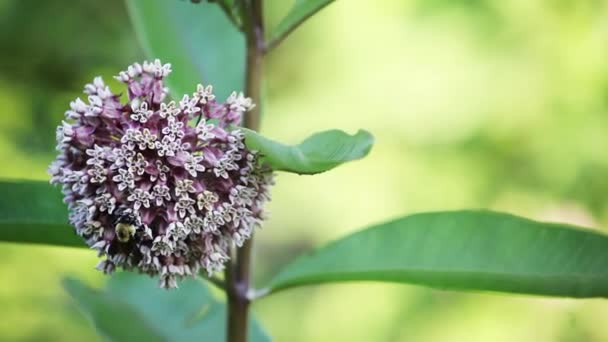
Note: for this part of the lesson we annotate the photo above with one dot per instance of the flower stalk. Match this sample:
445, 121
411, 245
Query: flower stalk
238, 269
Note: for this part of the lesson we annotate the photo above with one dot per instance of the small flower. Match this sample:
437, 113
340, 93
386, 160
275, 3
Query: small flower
236, 140
240, 103
168, 281
206, 200
168, 110
160, 193
220, 171
122, 156
133, 71
95, 106
141, 112
159, 172
174, 128
227, 211
203, 94
97, 154
137, 165
209, 224
183, 187
242, 195
163, 245
185, 205
92, 228
205, 131
167, 147
125, 179
157, 68
98, 174
188, 106
194, 224
139, 198
106, 202
193, 164
131, 138
146, 140
106, 266
178, 231
241, 216
78, 107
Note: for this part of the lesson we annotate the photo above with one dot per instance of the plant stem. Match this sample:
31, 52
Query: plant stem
238, 269
237, 279
255, 55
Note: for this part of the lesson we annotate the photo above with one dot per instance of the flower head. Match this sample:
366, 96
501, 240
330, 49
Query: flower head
151, 191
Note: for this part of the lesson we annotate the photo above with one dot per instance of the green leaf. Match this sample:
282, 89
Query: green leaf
33, 212
302, 10
318, 153
197, 39
133, 308
463, 250
114, 319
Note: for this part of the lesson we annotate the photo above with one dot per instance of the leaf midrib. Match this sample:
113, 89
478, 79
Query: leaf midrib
384, 275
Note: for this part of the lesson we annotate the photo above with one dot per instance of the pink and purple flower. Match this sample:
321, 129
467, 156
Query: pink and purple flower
177, 173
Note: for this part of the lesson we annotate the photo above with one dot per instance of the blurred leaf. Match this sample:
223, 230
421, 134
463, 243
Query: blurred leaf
197, 39
463, 250
33, 212
302, 10
134, 308
318, 153
114, 319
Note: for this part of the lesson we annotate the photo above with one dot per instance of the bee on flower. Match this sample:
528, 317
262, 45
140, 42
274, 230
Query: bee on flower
150, 190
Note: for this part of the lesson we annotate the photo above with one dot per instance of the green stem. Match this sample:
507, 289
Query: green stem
238, 270
255, 56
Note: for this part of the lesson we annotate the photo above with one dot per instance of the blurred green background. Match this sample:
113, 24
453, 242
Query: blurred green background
474, 103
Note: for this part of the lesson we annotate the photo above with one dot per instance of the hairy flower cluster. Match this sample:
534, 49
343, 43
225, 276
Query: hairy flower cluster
160, 187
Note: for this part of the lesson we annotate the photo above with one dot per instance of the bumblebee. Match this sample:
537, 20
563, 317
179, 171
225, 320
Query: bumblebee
125, 227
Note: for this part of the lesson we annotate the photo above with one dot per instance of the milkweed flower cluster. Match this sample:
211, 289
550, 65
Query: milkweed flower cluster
160, 187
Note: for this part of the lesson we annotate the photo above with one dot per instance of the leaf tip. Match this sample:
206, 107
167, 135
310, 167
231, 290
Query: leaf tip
368, 140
